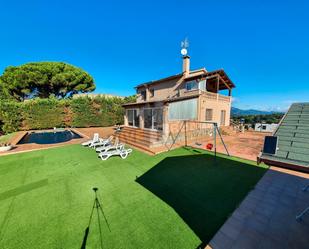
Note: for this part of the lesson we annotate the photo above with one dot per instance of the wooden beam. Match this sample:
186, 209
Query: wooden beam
212, 76
228, 87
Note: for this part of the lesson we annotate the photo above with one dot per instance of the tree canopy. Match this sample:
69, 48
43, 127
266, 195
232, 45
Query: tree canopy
252, 119
45, 79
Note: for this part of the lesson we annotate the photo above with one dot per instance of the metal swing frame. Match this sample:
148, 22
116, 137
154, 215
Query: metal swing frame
216, 131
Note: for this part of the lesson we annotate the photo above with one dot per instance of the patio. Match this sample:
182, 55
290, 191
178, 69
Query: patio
266, 218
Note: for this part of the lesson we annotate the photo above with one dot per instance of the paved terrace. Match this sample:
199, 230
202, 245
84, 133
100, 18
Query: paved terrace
244, 145
266, 218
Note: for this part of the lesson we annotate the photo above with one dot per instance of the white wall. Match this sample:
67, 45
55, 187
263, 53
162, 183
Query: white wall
265, 127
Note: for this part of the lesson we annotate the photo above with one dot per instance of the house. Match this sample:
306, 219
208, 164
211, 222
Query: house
265, 127
197, 95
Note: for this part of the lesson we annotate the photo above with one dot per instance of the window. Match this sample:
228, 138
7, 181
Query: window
208, 114
202, 85
264, 127
143, 94
222, 118
183, 110
151, 93
191, 85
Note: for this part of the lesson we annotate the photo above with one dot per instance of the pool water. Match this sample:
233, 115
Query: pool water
49, 137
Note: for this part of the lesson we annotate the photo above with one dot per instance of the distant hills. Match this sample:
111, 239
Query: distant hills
239, 112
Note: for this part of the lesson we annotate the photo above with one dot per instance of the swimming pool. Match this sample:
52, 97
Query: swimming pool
49, 137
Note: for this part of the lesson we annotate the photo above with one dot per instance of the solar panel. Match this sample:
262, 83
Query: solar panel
270, 145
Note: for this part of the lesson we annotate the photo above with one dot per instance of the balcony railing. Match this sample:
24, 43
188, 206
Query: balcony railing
224, 98
209, 95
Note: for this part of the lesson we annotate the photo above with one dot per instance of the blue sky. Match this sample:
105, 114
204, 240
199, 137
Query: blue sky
262, 45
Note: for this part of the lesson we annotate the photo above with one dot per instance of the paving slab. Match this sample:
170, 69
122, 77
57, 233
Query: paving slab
266, 217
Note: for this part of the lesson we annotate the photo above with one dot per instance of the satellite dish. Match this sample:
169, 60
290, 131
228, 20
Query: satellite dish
184, 51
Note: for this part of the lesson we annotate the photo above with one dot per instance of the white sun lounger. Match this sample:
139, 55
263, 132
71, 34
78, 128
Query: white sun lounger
122, 152
102, 142
109, 146
93, 140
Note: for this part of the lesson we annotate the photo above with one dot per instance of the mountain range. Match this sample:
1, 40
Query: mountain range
239, 112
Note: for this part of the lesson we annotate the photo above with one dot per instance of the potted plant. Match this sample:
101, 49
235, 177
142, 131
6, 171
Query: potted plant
5, 147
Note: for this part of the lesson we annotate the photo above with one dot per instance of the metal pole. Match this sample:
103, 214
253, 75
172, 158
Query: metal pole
186, 143
215, 139
223, 141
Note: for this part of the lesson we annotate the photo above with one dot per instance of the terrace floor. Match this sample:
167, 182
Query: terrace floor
266, 218
246, 145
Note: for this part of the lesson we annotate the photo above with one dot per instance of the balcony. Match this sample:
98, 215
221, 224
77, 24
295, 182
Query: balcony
208, 95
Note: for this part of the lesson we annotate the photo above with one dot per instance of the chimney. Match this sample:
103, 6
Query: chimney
186, 65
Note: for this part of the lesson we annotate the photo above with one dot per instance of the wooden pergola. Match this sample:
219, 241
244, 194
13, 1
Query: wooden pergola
219, 78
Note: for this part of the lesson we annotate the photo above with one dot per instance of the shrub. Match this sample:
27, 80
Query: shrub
43, 114
10, 116
52, 112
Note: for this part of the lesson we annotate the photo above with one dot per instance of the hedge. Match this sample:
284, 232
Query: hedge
10, 116
48, 113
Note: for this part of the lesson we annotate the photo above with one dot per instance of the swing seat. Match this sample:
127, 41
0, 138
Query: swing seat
209, 146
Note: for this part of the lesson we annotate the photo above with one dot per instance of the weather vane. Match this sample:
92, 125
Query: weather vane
184, 46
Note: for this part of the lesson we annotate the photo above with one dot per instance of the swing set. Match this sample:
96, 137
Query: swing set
191, 130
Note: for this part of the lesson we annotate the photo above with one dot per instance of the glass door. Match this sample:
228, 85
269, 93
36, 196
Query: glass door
158, 119
133, 117
153, 118
148, 118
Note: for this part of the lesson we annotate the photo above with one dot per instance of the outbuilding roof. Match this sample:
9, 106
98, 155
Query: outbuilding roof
293, 139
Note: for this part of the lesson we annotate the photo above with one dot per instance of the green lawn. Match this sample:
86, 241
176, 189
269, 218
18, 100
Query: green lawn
177, 199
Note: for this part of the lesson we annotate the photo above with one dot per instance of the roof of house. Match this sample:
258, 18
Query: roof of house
195, 74
293, 137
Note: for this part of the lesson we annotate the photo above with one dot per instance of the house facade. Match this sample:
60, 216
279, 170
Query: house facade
262, 127
196, 95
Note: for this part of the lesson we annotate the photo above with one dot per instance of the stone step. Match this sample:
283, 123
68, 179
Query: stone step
140, 138
137, 136
133, 140
141, 131
139, 146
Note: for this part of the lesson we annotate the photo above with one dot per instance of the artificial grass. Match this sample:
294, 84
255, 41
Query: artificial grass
177, 199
